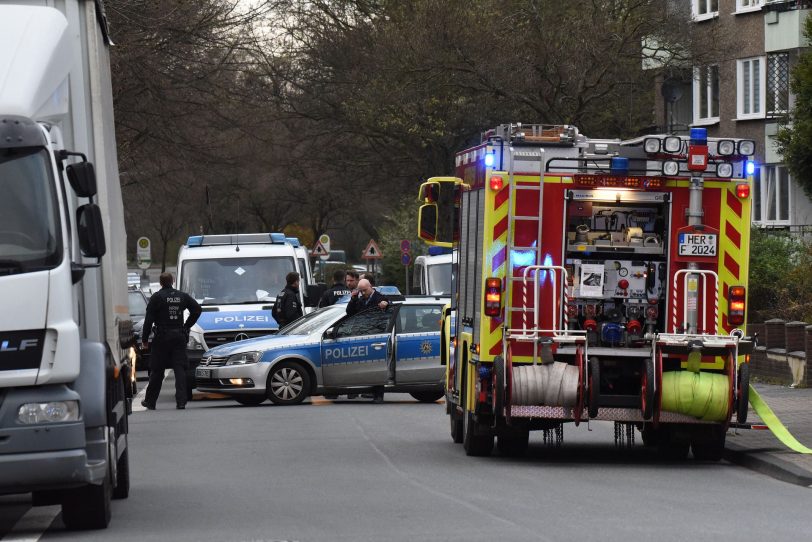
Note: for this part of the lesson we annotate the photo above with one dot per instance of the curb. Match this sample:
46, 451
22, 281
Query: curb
766, 463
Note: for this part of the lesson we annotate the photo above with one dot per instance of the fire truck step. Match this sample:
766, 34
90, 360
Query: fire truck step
609, 414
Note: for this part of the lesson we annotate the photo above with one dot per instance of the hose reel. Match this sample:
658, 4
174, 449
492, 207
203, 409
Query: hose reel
550, 384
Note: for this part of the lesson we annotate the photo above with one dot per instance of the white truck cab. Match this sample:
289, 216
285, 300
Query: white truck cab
433, 273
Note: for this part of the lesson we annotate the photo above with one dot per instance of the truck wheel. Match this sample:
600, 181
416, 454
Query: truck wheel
456, 426
475, 445
708, 443
647, 389
250, 400
122, 489
427, 396
88, 507
288, 383
514, 445
594, 387
743, 393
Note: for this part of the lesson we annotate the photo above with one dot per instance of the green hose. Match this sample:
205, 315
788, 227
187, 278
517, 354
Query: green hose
771, 420
702, 395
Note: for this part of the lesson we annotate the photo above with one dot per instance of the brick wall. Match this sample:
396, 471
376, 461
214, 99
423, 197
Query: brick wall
781, 353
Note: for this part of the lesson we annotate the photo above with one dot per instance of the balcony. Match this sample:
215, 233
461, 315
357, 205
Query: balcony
784, 24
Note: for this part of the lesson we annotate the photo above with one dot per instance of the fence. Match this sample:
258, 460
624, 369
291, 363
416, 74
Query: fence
781, 352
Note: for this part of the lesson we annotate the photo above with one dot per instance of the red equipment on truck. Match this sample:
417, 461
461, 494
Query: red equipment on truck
598, 280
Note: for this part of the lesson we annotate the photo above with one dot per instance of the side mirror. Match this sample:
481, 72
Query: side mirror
90, 231
313, 294
427, 222
82, 179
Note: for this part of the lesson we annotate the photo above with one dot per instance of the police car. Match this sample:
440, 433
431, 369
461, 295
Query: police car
328, 352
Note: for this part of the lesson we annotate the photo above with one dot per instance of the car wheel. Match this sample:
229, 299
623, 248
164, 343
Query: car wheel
250, 400
427, 396
288, 383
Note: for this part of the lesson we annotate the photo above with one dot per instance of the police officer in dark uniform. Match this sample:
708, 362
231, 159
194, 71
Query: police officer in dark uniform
338, 290
288, 306
165, 309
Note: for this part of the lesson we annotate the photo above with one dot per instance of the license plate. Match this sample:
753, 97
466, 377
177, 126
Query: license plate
697, 244
203, 373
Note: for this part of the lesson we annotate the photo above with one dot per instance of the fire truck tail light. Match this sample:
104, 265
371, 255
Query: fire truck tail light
493, 296
743, 190
736, 299
497, 183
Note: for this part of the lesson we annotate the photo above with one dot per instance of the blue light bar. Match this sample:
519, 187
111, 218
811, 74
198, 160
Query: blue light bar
194, 241
489, 159
699, 136
278, 238
749, 167
437, 251
619, 165
293, 241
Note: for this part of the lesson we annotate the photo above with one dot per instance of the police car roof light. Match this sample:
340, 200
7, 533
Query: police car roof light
194, 241
293, 241
278, 237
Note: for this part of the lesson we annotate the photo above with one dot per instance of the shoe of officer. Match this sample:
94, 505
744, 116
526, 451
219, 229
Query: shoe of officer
181, 406
147, 405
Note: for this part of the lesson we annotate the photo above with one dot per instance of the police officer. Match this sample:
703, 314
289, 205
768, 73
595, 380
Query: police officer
288, 306
165, 309
338, 290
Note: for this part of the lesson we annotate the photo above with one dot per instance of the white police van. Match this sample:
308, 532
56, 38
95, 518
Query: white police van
236, 279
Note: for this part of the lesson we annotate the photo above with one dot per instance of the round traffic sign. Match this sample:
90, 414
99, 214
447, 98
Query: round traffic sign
405, 258
405, 246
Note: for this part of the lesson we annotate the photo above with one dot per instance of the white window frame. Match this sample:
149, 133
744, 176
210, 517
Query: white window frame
767, 192
708, 90
748, 6
701, 10
744, 67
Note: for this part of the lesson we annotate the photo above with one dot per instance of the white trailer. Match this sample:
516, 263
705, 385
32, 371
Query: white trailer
64, 391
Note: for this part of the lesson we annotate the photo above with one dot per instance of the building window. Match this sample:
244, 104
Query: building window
706, 94
748, 5
771, 197
704, 9
750, 72
777, 84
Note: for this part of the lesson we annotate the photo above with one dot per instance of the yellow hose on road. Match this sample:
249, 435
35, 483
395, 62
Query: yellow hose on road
771, 420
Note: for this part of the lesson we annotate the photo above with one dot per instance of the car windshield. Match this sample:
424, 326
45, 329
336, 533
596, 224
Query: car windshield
235, 281
439, 276
29, 225
138, 305
315, 322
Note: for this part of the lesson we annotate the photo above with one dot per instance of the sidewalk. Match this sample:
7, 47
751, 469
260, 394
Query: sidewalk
762, 452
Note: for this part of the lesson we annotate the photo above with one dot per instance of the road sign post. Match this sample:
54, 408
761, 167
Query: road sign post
406, 260
371, 254
143, 255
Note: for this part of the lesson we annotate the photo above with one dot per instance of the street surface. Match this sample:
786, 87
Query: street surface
354, 471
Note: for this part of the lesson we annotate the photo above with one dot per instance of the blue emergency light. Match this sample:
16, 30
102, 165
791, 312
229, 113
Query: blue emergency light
619, 165
278, 238
195, 241
437, 251
489, 159
293, 241
749, 167
699, 136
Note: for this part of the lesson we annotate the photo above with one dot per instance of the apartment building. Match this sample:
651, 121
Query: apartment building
744, 92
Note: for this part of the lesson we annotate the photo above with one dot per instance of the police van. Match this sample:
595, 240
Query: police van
236, 279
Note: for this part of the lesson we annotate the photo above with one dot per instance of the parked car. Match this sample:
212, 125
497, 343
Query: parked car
328, 352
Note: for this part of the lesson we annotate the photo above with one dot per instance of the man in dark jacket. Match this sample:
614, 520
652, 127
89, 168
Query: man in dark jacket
165, 310
366, 297
338, 290
288, 306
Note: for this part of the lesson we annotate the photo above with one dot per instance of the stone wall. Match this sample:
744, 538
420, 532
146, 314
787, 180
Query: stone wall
781, 352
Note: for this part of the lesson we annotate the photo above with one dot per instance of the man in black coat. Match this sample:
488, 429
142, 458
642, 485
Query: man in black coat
288, 306
165, 310
338, 290
366, 297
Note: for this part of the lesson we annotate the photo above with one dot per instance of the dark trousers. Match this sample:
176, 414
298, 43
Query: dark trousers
168, 352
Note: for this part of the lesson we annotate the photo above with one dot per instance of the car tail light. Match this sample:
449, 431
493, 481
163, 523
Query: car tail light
736, 304
493, 296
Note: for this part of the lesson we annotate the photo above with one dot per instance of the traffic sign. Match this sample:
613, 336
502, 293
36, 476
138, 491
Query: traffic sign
143, 253
320, 251
406, 259
405, 245
372, 252
324, 239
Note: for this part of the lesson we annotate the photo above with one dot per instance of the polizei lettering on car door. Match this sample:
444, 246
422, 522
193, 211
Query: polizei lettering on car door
348, 352
240, 318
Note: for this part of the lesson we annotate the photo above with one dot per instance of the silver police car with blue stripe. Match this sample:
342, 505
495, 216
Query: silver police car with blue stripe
328, 352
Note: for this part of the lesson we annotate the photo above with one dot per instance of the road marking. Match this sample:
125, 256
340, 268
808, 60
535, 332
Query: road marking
33, 524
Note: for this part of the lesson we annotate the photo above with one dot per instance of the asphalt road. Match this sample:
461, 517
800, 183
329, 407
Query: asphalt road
355, 471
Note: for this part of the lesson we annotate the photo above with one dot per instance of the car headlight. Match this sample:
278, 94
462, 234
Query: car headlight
194, 343
53, 412
244, 358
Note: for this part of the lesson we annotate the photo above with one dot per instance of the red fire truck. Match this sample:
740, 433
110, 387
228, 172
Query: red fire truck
598, 280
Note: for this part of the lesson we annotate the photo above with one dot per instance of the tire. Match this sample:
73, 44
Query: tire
499, 386
427, 396
708, 443
647, 389
594, 387
743, 396
250, 400
513, 445
288, 383
475, 445
122, 489
456, 427
88, 507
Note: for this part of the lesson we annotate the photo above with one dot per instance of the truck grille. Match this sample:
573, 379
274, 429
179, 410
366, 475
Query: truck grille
216, 338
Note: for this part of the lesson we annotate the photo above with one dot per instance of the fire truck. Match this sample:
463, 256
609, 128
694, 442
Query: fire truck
599, 279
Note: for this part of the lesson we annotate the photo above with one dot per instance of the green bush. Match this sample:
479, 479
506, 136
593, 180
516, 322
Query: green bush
780, 284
